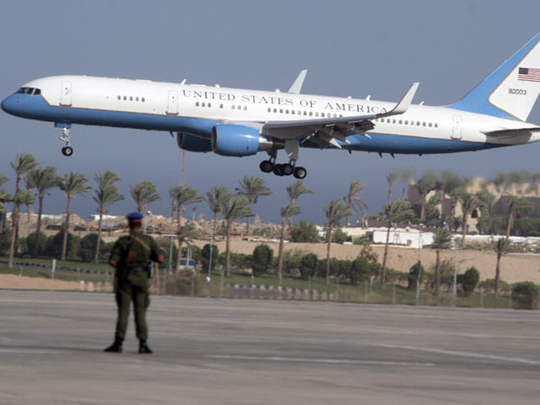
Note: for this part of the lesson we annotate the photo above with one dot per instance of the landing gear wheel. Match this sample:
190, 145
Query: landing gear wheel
278, 170
266, 166
287, 169
67, 151
300, 172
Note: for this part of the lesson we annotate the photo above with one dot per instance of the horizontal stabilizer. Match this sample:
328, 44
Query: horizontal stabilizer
512, 132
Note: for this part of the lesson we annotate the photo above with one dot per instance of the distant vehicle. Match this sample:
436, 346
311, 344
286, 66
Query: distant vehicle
237, 122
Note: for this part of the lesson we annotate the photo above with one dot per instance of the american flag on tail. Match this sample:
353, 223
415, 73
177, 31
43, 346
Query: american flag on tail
529, 74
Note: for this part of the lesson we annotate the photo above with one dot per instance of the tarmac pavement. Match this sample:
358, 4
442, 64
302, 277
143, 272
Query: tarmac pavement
210, 351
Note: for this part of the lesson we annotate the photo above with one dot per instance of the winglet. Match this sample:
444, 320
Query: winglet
405, 102
296, 87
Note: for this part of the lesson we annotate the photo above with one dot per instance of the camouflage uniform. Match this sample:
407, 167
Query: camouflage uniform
133, 254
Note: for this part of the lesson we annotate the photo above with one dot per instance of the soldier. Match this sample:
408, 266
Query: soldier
131, 256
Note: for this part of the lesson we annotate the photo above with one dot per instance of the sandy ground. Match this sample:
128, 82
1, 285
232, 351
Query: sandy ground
514, 267
14, 282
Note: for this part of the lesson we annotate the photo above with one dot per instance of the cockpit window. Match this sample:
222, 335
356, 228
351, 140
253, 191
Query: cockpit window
29, 90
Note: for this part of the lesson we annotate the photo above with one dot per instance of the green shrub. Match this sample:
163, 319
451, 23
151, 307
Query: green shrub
87, 248
205, 257
525, 295
31, 242
416, 272
362, 240
53, 248
169, 251
262, 259
308, 266
338, 236
5, 242
489, 285
361, 269
469, 280
305, 232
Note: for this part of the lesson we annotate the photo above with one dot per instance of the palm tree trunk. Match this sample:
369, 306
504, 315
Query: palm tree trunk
509, 226
438, 272
228, 250
404, 191
497, 276
215, 224
178, 256
453, 215
363, 216
291, 218
66, 228
329, 241
389, 194
173, 209
179, 214
281, 243
28, 212
14, 221
98, 243
423, 208
15, 216
464, 234
247, 225
385, 256
38, 228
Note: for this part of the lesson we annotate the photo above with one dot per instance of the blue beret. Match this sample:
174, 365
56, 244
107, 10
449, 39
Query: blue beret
135, 217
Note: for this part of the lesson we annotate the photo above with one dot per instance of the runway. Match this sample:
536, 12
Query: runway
210, 351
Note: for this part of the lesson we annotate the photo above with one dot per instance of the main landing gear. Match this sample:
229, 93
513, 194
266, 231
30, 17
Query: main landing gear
67, 150
286, 169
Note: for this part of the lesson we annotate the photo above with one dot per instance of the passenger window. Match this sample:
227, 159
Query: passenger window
221, 106
429, 124
275, 110
418, 123
406, 122
142, 99
269, 110
436, 125
136, 98
196, 103
286, 111
281, 111
245, 108
400, 122
424, 124
119, 97
130, 98
125, 98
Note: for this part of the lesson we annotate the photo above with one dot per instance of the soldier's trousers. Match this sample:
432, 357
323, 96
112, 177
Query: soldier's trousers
134, 287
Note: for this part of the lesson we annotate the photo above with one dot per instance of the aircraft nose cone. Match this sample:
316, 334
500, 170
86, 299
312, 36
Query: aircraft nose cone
11, 104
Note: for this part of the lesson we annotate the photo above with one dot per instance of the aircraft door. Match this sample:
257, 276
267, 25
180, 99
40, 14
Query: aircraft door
65, 95
457, 128
172, 105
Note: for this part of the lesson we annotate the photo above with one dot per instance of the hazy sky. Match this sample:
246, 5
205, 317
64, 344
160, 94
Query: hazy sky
351, 48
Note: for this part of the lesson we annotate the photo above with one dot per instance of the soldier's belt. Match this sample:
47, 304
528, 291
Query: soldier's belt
136, 269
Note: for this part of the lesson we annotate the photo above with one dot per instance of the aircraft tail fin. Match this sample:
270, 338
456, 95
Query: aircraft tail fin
511, 90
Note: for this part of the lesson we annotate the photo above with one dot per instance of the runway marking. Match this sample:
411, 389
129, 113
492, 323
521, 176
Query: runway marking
322, 361
465, 354
29, 351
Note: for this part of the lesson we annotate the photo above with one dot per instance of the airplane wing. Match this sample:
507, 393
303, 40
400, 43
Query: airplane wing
327, 130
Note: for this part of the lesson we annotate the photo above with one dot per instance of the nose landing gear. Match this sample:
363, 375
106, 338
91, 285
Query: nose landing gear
67, 150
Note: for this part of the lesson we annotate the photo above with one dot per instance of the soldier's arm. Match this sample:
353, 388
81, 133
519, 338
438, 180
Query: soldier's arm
156, 254
115, 254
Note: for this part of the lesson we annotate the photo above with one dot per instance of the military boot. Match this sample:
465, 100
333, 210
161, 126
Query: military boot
143, 347
116, 347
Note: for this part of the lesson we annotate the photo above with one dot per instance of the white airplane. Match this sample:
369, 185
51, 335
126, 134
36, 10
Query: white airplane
237, 122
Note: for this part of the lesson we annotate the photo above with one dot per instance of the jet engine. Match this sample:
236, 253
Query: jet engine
193, 143
240, 140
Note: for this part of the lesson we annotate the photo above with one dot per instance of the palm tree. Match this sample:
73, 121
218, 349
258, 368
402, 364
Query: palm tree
294, 191
172, 194
516, 205
391, 178
469, 202
185, 195
286, 212
72, 184
425, 185
232, 209
355, 201
143, 194
23, 164
215, 199
441, 240
3, 179
106, 194
43, 178
455, 186
252, 188
407, 177
185, 234
398, 211
501, 247
29, 185
335, 212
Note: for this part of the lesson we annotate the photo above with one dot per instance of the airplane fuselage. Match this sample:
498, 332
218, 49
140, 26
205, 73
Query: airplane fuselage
196, 109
